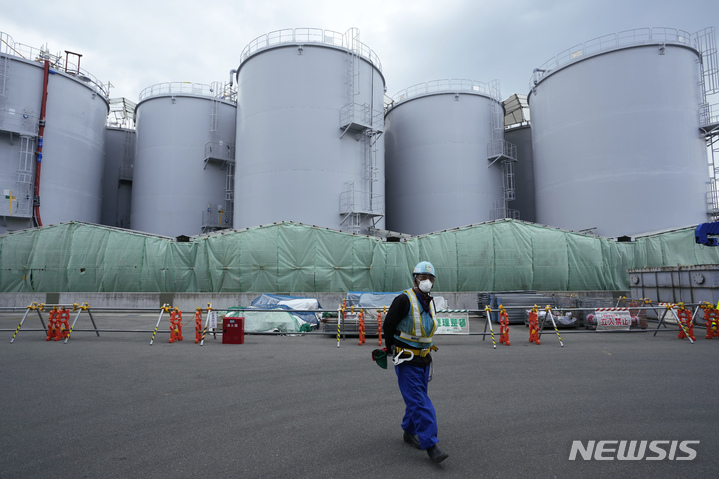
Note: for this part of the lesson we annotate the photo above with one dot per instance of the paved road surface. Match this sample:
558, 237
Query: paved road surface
298, 406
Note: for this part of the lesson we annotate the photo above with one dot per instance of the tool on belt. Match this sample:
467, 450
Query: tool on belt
399, 352
380, 355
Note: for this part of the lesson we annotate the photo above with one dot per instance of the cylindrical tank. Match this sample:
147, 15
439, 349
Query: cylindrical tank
184, 159
615, 132
309, 131
73, 141
438, 171
524, 201
117, 179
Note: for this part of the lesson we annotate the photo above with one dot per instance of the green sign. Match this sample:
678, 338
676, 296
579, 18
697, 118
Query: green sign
452, 322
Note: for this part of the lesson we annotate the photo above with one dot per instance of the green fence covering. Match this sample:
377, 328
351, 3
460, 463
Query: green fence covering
296, 258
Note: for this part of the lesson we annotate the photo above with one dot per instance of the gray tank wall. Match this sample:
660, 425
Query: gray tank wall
524, 200
171, 185
15, 214
436, 167
73, 144
617, 144
22, 97
291, 162
117, 178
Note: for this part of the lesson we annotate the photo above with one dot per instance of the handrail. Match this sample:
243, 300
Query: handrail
613, 41
310, 35
26, 52
446, 85
709, 115
186, 88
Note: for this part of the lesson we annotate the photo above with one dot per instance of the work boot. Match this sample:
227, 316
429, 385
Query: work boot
436, 455
412, 440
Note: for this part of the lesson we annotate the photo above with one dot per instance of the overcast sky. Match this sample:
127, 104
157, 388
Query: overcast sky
135, 44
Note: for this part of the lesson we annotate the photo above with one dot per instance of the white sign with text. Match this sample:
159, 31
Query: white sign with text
612, 320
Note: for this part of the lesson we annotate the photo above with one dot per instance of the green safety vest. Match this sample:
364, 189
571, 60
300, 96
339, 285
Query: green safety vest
412, 330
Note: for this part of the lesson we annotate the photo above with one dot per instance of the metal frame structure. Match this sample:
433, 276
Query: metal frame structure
709, 114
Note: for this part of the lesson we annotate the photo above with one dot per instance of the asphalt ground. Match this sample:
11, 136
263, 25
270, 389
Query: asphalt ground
115, 406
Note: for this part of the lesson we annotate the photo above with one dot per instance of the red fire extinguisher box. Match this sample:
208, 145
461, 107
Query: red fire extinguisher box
233, 330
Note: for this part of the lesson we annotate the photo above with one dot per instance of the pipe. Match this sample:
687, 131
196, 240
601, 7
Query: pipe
232, 73
41, 133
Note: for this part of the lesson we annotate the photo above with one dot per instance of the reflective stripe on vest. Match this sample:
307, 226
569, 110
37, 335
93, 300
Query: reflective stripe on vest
424, 337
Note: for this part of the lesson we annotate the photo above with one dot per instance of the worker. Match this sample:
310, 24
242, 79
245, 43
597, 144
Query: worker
408, 329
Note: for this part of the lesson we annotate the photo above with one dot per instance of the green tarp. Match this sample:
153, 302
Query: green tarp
296, 258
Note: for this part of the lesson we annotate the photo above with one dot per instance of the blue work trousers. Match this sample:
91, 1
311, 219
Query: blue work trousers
419, 417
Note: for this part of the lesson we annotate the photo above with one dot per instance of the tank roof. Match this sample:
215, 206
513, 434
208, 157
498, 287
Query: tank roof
288, 36
614, 41
57, 62
435, 87
217, 90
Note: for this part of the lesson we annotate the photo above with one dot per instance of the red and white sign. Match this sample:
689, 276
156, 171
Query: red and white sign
612, 319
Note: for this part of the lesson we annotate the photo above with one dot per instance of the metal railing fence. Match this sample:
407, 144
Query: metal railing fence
57, 62
613, 41
310, 35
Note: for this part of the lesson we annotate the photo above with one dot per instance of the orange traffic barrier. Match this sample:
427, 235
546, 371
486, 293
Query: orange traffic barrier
198, 325
62, 325
175, 325
503, 326
51, 322
533, 326
361, 328
711, 320
687, 327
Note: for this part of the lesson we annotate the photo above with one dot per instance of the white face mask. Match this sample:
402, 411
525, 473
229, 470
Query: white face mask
425, 286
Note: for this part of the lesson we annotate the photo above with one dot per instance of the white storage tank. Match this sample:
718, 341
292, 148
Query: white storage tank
439, 171
72, 146
309, 131
615, 132
184, 158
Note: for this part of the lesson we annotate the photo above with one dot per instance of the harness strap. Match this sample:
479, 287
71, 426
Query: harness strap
418, 334
413, 352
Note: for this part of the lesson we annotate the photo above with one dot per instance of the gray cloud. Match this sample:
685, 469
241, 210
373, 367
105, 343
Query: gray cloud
137, 44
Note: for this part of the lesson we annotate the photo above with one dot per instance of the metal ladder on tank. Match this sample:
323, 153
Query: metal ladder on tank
713, 186
230, 190
352, 80
709, 122
4, 66
371, 170
500, 150
4, 61
372, 176
19, 198
347, 113
226, 157
358, 205
27, 156
351, 218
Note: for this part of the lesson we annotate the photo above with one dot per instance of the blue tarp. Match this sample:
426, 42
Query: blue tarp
369, 299
277, 301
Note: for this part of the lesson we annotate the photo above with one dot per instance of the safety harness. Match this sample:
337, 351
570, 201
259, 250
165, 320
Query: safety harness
398, 359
